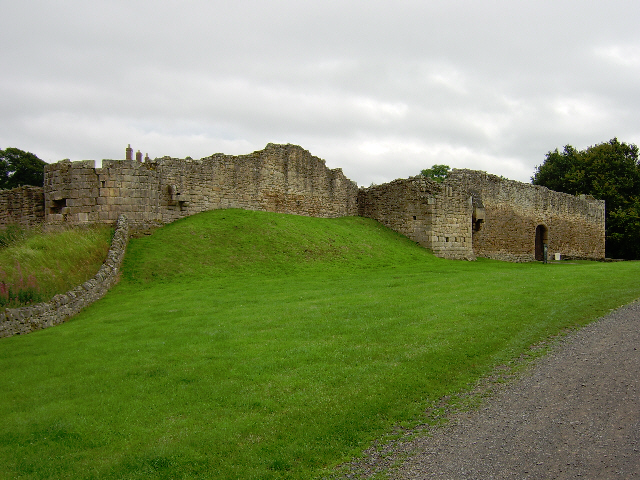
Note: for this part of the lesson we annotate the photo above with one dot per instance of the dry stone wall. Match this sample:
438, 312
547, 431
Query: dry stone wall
507, 214
280, 178
434, 215
19, 321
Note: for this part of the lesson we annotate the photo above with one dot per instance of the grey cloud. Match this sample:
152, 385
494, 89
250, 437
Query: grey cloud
381, 89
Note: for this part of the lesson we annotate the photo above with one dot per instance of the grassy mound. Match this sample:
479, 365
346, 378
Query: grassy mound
253, 345
239, 242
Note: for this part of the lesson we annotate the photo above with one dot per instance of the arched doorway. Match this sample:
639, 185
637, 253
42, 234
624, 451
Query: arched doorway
542, 238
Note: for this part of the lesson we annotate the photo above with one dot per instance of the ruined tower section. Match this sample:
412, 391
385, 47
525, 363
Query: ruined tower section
71, 190
129, 187
78, 193
434, 215
513, 220
280, 178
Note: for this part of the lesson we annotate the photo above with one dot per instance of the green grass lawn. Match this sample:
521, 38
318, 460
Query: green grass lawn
263, 346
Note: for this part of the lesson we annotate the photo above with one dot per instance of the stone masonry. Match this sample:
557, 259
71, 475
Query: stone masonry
280, 178
469, 214
507, 214
432, 214
22, 205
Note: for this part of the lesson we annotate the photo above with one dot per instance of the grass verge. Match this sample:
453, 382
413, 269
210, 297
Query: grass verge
253, 345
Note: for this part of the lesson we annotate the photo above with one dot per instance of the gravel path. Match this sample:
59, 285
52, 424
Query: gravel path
575, 415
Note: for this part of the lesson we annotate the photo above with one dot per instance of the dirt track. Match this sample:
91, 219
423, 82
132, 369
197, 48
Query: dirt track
574, 414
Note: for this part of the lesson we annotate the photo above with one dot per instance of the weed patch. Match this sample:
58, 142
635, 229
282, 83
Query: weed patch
19, 292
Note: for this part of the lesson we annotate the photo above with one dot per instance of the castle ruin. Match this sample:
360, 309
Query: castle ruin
469, 214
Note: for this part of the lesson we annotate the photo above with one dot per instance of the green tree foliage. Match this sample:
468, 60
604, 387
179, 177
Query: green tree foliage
436, 172
18, 168
608, 171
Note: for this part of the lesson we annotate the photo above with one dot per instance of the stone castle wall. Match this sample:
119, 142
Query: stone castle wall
469, 214
18, 321
432, 214
507, 213
22, 205
280, 178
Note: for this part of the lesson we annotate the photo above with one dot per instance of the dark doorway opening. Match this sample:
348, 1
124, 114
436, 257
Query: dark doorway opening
541, 240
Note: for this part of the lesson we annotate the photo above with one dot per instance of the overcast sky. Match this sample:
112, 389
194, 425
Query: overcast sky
381, 89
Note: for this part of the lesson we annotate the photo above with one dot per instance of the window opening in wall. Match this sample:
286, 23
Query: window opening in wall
414, 217
58, 205
477, 218
542, 239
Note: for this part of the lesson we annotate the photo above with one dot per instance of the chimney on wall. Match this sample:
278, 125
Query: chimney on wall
129, 155
138, 156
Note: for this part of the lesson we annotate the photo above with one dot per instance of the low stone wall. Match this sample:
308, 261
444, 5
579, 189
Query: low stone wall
18, 321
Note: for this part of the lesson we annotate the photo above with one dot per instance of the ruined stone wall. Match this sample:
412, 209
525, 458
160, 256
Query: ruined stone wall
130, 188
280, 178
470, 213
434, 215
19, 321
71, 190
22, 205
507, 213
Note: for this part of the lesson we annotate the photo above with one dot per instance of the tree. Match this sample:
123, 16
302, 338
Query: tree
608, 171
18, 168
437, 172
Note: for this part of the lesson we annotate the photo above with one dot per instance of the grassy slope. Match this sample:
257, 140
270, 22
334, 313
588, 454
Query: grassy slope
55, 262
252, 345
